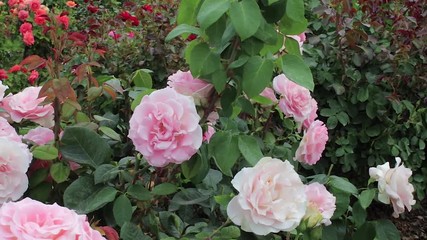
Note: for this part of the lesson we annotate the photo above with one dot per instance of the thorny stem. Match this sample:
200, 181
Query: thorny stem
57, 120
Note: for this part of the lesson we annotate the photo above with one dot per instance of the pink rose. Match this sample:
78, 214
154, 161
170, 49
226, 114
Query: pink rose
7, 131
40, 135
312, 144
15, 159
30, 219
271, 197
23, 15
184, 83
3, 89
269, 94
165, 128
28, 38
209, 133
312, 116
321, 205
25, 105
295, 101
394, 186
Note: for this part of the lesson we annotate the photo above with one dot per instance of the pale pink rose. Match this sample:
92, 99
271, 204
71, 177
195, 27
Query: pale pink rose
295, 100
312, 116
321, 205
269, 94
185, 83
40, 135
394, 186
30, 219
312, 144
7, 131
271, 198
15, 159
3, 89
165, 128
25, 105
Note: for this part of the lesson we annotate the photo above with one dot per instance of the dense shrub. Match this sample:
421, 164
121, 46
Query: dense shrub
368, 59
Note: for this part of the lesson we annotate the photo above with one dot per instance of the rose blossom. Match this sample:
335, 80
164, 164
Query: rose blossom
25, 27
269, 94
23, 15
295, 100
28, 38
312, 116
312, 144
321, 205
210, 131
30, 219
165, 127
271, 197
394, 186
33, 77
7, 131
15, 159
25, 105
184, 83
3, 89
40, 135
3, 74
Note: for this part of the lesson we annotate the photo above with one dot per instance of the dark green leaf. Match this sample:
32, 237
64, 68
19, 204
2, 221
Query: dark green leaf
139, 192
105, 173
359, 214
181, 29
202, 61
196, 168
257, 74
173, 225
385, 230
223, 147
342, 184
366, 197
84, 146
164, 189
211, 11
249, 147
142, 78
245, 17
130, 231
122, 210
84, 197
297, 71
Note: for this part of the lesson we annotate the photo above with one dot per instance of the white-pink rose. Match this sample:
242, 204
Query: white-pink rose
7, 131
312, 144
320, 205
185, 83
312, 116
15, 159
3, 89
271, 198
295, 100
25, 105
29, 220
40, 135
394, 186
165, 128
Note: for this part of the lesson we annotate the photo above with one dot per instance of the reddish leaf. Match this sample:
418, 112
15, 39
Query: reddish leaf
33, 62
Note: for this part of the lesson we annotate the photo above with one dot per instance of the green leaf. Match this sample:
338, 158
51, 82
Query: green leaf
142, 78
45, 152
223, 147
110, 133
293, 22
359, 214
366, 197
84, 146
173, 225
385, 230
246, 18
85, 197
164, 189
179, 30
342, 203
342, 184
223, 200
187, 11
343, 118
335, 231
219, 79
292, 46
267, 33
297, 71
59, 172
202, 61
373, 131
211, 11
139, 192
122, 210
332, 122
257, 74
196, 168
230, 232
189, 196
365, 232
249, 147
131, 231
139, 97
239, 62
363, 94
38, 177
105, 173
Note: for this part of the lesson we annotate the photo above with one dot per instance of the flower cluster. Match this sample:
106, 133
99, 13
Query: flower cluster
272, 198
